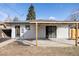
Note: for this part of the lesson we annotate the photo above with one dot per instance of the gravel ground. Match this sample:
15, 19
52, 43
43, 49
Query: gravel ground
15, 49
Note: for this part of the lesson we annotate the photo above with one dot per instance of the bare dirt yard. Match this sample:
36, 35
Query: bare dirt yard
15, 49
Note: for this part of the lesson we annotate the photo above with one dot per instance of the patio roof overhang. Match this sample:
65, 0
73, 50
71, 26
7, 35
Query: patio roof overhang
41, 22
55, 22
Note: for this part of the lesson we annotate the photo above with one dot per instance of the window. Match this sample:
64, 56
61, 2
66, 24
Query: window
27, 27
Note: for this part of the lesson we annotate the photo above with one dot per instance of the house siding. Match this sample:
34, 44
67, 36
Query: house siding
13, 32
41, 31
62, 31
28, 34
31, 34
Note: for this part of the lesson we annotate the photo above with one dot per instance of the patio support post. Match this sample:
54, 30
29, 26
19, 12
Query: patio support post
36, 34
76, 34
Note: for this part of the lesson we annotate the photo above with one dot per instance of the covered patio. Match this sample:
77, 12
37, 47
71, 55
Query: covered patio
51, 31
69, 42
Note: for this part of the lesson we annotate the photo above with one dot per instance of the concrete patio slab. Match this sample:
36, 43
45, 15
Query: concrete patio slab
51, 42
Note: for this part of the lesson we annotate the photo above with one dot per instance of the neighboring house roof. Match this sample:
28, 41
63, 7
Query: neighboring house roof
8, 19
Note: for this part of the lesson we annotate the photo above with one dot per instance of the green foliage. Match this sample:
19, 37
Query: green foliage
31, 13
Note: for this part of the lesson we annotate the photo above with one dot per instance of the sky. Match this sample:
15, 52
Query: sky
45, 11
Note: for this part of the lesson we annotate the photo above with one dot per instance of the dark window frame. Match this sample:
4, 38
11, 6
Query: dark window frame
27, 27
